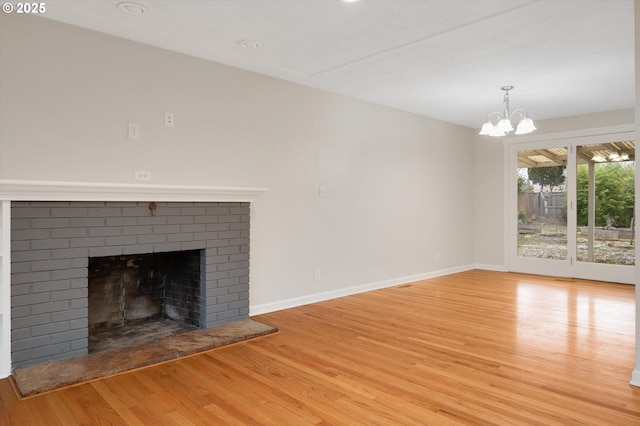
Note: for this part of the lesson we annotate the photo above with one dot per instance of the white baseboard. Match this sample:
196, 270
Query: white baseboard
635, 378
487, 267
319, 297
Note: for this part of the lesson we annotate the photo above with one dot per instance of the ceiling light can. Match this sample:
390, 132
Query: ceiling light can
132, 8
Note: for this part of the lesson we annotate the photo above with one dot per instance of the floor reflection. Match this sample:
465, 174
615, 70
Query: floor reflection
574, 323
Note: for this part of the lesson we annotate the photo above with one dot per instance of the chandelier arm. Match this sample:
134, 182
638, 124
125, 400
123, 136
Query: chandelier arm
500, 116
521, 112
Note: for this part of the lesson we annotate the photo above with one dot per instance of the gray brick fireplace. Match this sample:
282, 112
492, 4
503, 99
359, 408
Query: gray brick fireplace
51, 243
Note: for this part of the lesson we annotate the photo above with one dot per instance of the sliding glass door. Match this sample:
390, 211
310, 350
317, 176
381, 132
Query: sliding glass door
571, 207
605, 215
539, 188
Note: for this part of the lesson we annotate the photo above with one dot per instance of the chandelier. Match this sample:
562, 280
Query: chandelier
504, 120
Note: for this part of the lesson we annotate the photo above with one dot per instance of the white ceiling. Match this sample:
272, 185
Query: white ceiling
445, 59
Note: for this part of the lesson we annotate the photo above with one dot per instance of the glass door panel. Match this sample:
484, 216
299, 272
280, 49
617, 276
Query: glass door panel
542, 203
605, 202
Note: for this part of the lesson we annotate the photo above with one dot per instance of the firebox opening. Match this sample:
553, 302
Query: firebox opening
135, 299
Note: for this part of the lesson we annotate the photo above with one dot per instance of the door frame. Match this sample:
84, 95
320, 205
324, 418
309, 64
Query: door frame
569, 267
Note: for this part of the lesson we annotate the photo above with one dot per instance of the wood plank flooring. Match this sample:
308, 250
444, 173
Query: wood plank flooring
477, 347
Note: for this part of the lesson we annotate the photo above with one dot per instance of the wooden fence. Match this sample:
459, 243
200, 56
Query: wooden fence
536, 205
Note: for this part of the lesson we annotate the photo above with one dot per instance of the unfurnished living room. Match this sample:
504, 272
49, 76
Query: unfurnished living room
296, 212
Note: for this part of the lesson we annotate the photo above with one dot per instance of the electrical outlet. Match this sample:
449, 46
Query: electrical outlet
143, 175
169, 119
316, 275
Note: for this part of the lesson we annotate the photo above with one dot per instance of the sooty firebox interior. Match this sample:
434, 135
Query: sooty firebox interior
138, 298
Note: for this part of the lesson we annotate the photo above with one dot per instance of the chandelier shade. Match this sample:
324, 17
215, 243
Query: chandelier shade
504, 120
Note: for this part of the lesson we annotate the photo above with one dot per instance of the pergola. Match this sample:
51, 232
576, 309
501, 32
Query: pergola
587, 154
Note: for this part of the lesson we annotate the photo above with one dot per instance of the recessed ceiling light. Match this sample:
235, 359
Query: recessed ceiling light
250, 44
132, 8
350, 1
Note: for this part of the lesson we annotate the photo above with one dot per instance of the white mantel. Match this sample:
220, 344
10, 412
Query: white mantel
23, 190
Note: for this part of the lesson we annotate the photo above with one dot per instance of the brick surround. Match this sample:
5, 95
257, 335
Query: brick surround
52, 242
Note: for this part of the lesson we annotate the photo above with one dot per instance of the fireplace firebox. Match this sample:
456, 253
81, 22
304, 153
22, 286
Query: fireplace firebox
136, 292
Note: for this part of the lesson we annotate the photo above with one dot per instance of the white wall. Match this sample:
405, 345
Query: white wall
489, 199
399, 187
635, 375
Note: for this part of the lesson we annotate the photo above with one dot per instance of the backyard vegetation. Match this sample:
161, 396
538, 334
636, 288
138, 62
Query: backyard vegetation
542, 213
615, 194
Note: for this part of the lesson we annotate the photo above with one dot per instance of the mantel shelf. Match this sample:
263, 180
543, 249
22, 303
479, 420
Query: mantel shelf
22, 190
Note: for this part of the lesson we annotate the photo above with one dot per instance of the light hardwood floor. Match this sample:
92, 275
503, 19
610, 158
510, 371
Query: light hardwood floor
476, 347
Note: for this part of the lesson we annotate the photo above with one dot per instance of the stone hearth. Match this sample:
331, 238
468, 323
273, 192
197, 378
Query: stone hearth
50, 375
